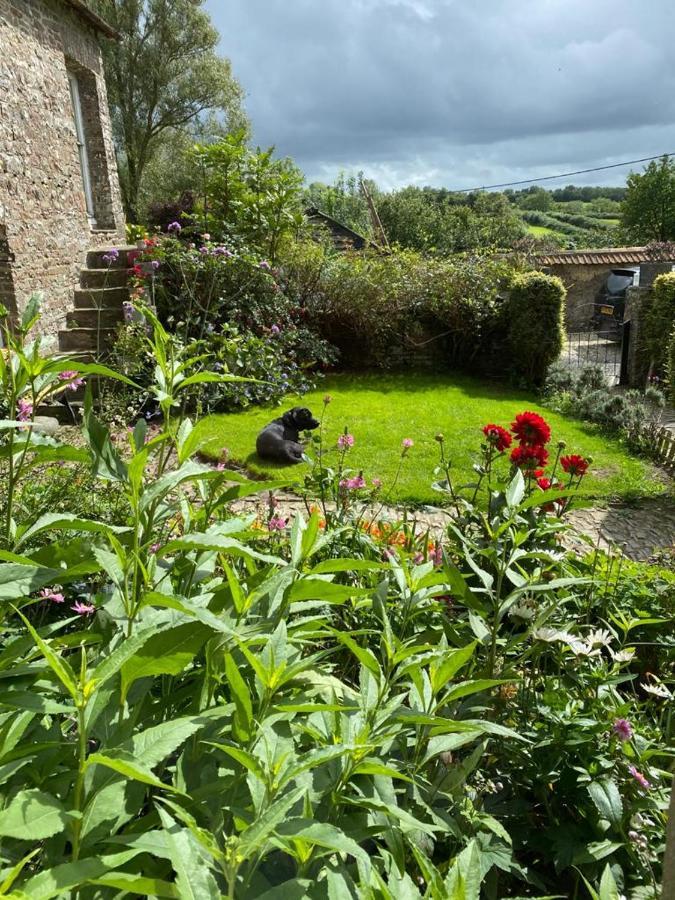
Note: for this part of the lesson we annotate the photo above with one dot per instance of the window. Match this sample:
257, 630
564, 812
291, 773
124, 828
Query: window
82, 146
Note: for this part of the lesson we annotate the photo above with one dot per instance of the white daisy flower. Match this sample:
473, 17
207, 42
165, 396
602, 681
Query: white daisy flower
524, 609
657, 690
600, 637
623, 656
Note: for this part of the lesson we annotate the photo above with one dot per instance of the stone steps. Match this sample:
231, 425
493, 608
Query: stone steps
94, 340
106, 317
98, 304
101, 298
103, 278
95, 258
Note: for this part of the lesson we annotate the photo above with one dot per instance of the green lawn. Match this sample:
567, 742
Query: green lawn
381, 410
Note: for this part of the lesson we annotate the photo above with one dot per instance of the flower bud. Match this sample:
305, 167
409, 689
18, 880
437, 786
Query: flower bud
439, 437
561, 445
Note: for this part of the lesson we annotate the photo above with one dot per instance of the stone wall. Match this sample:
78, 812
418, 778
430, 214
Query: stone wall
583, 283
42, 207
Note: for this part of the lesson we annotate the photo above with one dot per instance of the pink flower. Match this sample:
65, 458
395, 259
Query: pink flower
72, 377
345, 441
407, 443
83, 609
275, 330
377, 483
220, 467
353, 484
54, 596
436, 555
623, 729
418, 559
276, 523
153, 548
640, 778
24, 410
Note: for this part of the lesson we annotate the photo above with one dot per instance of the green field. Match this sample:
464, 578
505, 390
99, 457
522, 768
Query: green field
381, 410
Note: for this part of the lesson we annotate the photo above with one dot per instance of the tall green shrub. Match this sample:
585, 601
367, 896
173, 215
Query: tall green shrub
659, 322
671, 367
535, 324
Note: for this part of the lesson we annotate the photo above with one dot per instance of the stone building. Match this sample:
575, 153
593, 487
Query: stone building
59, 191
584, 272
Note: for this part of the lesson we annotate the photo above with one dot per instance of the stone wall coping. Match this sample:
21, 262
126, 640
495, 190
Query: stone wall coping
99, 24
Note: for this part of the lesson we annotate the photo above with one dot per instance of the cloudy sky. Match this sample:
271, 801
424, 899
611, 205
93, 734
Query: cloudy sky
455, 93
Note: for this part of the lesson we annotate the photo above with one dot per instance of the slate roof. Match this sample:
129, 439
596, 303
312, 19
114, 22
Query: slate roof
607, 256
93, 19
343, 238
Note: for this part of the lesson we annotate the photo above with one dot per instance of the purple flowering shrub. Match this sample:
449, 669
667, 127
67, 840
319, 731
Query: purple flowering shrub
233, 307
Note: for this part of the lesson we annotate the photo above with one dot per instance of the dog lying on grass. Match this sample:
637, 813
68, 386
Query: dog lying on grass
280, 440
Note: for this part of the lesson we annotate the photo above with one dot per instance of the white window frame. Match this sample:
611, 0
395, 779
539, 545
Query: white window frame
82, 147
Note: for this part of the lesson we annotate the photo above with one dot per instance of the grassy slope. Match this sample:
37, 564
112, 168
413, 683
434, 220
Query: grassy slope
380, 410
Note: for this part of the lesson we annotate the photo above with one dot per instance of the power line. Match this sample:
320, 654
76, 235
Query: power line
630, 162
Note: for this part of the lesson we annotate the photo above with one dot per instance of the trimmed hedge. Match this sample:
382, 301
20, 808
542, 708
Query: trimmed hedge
403, 310
659, 322
536, 332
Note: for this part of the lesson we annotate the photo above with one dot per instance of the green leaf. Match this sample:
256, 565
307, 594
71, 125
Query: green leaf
112, 664
108, 464
64, 522
137, 884
608, 886
444, 743
244, 758
452, 662
189, 471
466, 688
126, 765
219, 543
18, 581
363, 654
322, 835
241, 696
166, 653
61, 667
607, 799
15, 871
194, 879
254, 837
516, 490
325, 591
58, 881
27, 700
331, 566
33, 816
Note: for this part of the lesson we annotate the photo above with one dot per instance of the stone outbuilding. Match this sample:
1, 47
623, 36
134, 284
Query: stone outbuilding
59, 190
584, 272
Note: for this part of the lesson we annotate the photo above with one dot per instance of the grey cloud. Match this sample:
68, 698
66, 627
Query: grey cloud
444, 92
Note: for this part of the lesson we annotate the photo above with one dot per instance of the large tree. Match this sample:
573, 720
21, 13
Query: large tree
648, 211
162, 77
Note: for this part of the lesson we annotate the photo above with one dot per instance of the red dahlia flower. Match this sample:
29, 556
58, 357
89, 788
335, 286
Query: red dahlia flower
498, 437
529, 458
544, 483
531, 429
574, 464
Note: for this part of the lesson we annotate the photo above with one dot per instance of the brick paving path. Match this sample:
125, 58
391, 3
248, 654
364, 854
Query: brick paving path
638, 530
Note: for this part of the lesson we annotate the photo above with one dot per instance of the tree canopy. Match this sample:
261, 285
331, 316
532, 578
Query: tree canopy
162, 76
648, 211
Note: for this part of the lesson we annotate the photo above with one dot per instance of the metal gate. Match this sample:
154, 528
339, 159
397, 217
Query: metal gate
603, 344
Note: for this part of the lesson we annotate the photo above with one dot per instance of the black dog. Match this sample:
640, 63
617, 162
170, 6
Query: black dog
280, 440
